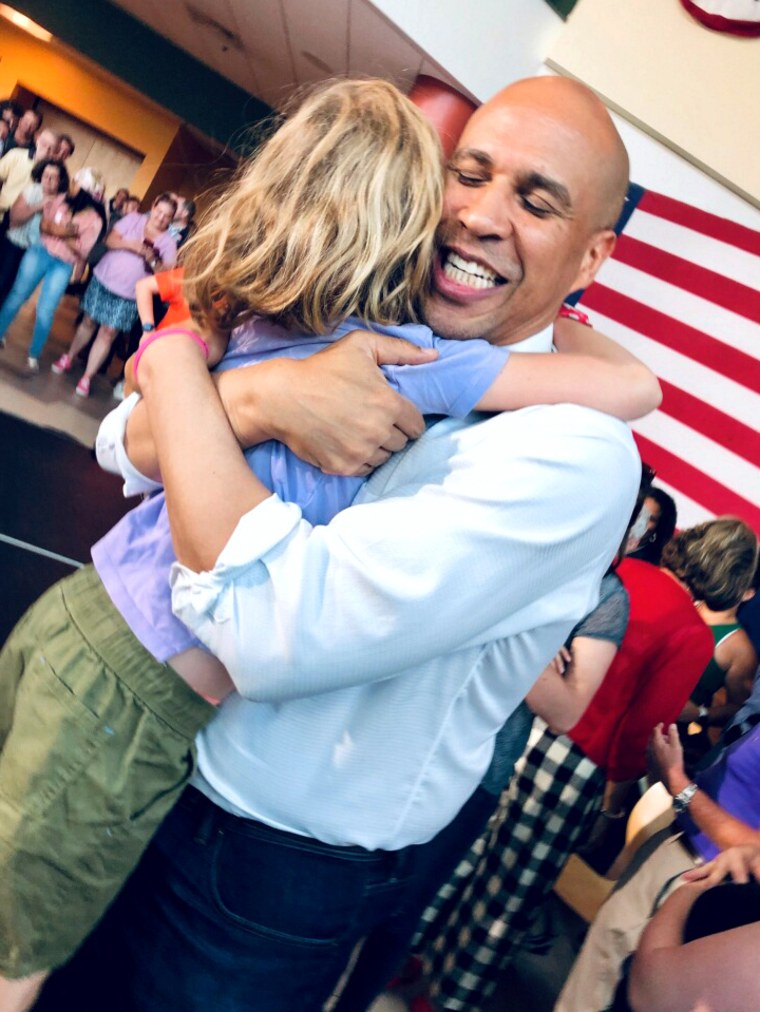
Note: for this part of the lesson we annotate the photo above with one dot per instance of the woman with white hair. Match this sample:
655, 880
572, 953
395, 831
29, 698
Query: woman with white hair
68, 230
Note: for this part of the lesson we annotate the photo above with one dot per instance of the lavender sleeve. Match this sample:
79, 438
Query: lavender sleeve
455, 382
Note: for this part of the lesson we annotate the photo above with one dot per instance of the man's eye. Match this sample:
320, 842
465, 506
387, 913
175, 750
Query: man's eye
536, 209
465, 178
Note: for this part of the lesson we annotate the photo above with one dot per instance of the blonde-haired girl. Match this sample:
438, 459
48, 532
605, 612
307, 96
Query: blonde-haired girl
102, 689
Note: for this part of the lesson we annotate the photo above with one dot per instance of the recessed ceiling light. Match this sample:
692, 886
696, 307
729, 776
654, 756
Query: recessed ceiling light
22, 21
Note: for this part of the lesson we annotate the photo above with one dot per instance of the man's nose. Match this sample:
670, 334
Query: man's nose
485, 213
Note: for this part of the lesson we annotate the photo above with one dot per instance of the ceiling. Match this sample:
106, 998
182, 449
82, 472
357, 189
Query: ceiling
272, 47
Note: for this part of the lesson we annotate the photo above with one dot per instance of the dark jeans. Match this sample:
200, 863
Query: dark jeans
229, 914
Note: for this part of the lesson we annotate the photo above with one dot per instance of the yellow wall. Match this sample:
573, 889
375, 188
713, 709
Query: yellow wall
693, 89
78, 88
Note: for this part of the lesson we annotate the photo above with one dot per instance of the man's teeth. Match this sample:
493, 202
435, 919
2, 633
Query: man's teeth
468, 272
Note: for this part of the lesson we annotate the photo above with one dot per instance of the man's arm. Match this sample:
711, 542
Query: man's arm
715, 972
333, 409
462, 554
5, 167
723, 829
21, 212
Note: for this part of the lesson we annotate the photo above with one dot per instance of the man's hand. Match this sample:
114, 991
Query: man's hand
738, 863
333, 409
667, 754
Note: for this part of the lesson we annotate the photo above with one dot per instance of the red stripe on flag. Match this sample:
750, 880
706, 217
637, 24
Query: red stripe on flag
696, 484
716, 355
701, 221
710, 422
717, 288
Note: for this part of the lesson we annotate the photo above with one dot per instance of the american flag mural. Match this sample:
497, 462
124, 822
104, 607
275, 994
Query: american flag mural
682, 292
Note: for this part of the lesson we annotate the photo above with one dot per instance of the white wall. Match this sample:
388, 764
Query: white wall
486, 45
483, 45
658, 168
693, 88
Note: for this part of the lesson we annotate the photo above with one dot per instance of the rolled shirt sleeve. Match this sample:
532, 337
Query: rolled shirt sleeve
110, 452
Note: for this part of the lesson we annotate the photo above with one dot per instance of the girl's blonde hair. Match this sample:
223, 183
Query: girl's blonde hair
335, 215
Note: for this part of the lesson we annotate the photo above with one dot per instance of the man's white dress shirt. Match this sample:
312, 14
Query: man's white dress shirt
377, 656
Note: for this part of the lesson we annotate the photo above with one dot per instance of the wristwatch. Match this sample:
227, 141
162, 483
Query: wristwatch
682, 800
147, 327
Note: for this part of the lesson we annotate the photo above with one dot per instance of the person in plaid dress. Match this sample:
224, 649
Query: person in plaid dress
552, 800
479, 919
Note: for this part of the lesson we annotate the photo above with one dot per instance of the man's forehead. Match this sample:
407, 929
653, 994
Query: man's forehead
530, 145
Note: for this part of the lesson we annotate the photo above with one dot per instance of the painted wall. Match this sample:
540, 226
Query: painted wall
658, 168
693, 89
510, 39
483, 46
118, 111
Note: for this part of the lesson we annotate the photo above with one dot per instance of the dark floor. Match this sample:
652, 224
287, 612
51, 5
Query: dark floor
56, 503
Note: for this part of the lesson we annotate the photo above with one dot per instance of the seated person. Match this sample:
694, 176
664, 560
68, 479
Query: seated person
698, 951
719, 809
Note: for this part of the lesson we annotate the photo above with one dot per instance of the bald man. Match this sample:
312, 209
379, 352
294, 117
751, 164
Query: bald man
376, 656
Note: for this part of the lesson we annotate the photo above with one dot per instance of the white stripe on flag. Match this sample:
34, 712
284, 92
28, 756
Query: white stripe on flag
734, 471
689, 512
703, 250
693, 310
726, 395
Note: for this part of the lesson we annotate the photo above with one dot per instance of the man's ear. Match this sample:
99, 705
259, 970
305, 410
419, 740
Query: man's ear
600, 247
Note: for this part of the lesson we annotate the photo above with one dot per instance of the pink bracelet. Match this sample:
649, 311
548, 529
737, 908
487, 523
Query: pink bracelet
165, 333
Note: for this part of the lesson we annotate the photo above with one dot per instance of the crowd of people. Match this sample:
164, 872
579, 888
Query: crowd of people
301, 702
58, 232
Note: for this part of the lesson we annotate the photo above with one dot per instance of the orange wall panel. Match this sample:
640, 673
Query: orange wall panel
48, 71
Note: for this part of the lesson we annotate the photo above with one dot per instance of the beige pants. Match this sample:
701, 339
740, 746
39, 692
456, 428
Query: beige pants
615, 932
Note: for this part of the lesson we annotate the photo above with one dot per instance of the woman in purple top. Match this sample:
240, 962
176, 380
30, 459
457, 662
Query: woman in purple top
138, 244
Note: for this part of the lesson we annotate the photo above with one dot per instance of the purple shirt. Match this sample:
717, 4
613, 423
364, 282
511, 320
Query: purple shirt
133, 560
120, 269
733, 782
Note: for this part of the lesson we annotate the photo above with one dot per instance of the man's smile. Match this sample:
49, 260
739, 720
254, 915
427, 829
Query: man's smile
469, 272
459, 276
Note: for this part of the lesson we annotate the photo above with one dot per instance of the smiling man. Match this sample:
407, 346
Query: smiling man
376, 656
528, 213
